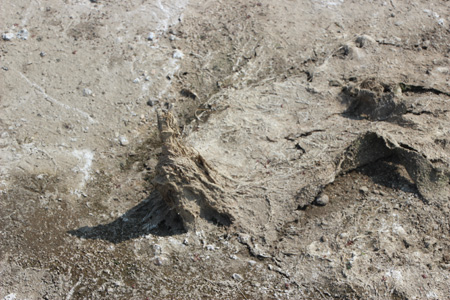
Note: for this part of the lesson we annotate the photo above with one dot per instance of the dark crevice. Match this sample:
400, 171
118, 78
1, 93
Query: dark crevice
303, 207
407, 147
298, 147
421, 89
294, 137
426, 112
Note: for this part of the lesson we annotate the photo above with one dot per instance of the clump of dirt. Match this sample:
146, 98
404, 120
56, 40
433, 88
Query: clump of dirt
374, 100
432, 182
187, 182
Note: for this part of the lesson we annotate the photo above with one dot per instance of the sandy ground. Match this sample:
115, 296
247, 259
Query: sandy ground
329, 120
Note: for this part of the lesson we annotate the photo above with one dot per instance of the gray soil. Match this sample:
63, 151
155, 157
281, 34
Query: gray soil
193, 149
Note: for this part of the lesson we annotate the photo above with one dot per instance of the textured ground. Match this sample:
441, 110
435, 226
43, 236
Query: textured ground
289, 101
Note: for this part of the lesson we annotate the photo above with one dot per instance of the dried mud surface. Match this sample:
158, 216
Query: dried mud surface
310, 160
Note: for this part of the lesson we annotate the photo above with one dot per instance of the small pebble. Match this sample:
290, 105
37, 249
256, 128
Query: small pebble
10, 297
23, 34
87, 92
42, 54
137, 80
233, 257
160, 260
237, 277
333, 82
252, 262
210, 247
157, 249
178, 54
123, 141
186, 242
152, 102
147, 78
8, 36
322, 200
172, 37
364, 189
151, 36
363, 40
5, 68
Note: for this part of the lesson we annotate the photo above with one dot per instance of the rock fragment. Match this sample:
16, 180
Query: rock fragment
178, 54
7, 36
157, 249
364, 189
322, 200
237, 277
123, 141
23, 34
160, 260
210, 247
87, 92
363, 40
152, 102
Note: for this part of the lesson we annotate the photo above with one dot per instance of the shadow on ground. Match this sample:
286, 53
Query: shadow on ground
151, 216
390, 173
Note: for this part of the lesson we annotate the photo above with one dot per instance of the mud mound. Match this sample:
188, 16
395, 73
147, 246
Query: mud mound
187, 182
432, 182
374, 100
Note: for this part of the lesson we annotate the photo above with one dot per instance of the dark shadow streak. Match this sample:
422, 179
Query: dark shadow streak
151, 216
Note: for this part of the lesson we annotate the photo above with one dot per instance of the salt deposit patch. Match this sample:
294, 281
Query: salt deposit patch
85, 158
